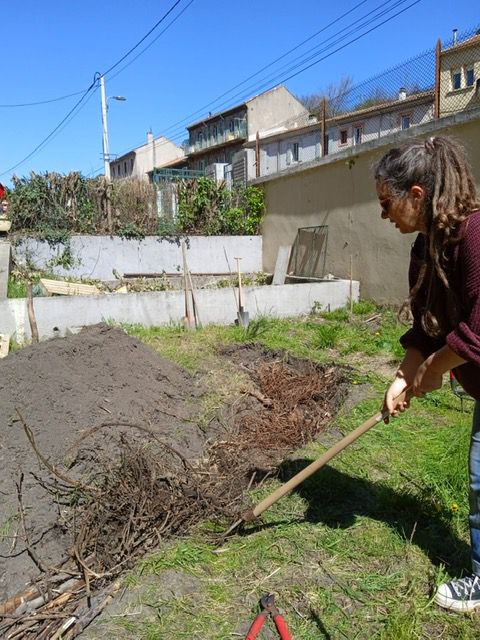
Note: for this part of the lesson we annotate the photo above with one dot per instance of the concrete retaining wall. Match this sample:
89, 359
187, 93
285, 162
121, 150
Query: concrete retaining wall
97, 256
56, 315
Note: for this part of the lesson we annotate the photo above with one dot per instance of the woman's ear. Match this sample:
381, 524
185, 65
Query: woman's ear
417, 192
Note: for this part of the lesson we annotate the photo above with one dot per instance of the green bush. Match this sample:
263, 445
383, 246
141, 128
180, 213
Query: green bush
53, 206
208, 208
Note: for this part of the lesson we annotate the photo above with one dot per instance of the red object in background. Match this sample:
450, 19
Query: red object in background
3, 193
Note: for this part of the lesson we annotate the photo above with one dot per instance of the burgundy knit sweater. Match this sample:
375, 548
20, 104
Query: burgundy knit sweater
464, 339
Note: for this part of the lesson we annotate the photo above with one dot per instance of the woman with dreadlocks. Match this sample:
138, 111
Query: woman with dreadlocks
428, 188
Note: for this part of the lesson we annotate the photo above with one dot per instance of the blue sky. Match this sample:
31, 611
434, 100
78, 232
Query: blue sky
52, 49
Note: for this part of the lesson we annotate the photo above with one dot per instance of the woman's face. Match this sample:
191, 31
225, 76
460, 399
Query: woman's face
405, 213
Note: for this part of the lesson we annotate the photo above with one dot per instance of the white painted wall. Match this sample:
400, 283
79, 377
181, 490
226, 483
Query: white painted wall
157, 152
379, 125
56, 315
96, 256
274, 151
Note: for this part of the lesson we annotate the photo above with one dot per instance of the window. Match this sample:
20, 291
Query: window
405, 122
131, 165
357, 135
125, 168
199, 136
343, 136
469, 77
295, 152
456, 79
231, 126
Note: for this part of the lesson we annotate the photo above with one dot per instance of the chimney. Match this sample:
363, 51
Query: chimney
402, 93
454, 36
149, 137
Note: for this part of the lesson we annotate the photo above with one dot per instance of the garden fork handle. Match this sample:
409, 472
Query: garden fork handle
319, 463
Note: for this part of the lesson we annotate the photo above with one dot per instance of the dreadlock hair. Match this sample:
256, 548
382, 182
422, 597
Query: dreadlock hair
439, 165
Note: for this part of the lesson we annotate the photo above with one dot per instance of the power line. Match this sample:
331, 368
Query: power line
176, 131
74, 110
153, 41
353, 40
212, 102
165, 15
279, 78
51, 134
273, 79
77, 93
33, 104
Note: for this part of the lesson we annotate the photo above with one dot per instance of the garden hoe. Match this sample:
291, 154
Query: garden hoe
242, 315
267, 502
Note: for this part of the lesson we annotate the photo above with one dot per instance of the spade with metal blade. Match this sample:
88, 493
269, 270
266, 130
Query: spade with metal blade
242, 315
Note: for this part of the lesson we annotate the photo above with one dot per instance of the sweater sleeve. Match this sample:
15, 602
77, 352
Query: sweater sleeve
465, 338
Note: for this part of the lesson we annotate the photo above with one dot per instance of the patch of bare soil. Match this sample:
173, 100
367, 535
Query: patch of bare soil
102, 459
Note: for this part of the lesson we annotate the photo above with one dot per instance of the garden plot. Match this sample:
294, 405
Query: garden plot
105, 456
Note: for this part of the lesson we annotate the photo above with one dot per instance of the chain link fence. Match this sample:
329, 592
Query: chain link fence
440, 81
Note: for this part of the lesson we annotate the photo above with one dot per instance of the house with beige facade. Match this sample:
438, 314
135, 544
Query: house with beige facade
460, 76
140, 162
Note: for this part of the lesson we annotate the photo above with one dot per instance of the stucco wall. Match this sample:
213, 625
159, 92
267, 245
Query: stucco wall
272, 108
58, 314
97, 256
274, 152
340, 193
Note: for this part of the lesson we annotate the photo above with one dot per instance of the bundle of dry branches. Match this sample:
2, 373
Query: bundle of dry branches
147, 492
301, 403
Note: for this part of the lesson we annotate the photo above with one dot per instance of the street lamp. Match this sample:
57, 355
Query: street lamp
106, 153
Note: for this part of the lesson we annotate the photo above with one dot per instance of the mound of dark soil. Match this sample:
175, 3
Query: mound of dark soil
125, 464
62, 388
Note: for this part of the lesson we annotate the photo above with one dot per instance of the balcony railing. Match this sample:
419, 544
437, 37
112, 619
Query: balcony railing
239, 131
167, 175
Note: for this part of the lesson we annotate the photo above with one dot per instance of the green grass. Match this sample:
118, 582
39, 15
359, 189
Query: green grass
16, 288
357, 550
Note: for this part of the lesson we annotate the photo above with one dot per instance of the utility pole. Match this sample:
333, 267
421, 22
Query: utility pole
106, 153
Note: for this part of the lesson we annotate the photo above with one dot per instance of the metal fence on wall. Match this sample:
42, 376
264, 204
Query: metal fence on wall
442, 80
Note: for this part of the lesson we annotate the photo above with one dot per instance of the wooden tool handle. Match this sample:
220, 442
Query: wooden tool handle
320, 462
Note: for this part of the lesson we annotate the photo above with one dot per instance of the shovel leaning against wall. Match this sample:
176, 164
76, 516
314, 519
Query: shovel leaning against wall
242, 315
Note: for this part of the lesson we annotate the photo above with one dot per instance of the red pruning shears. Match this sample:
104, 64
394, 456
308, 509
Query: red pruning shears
267, 603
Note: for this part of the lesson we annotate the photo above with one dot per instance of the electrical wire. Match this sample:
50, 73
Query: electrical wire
33, 104
174, 127
51, 134
174, 132
75, 108
153, 41
165, 15
70, 114
280, 77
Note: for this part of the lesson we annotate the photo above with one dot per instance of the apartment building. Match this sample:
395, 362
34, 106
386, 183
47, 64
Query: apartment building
140, 162
218, 137
305, 140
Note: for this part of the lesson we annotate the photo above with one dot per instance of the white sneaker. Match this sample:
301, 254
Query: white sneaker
459, 595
